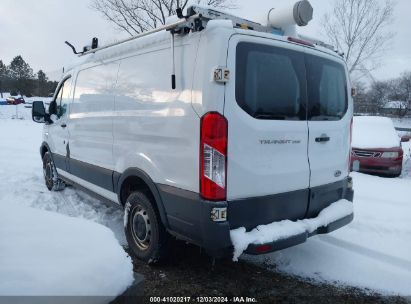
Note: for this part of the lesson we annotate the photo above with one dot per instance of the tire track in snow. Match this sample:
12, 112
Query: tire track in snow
395, 261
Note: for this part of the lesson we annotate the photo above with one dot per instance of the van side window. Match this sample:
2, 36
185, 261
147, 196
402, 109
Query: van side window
62, 99
65, 98
270, 82
327, 89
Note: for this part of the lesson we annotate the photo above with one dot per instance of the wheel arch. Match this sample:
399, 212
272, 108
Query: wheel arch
134, 179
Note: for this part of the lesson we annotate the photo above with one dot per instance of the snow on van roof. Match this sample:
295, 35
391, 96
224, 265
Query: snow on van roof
374, 132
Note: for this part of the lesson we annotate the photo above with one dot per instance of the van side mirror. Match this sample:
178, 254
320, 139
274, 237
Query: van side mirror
405, 138
38, 112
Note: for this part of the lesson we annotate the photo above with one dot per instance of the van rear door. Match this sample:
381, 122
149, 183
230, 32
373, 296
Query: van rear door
265, 105
329, 119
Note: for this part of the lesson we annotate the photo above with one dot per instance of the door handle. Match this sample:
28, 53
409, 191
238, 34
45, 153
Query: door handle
63, 125
322, 139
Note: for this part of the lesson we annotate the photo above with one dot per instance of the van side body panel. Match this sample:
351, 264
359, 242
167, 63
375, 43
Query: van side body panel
90, 123
154, 127
157, 131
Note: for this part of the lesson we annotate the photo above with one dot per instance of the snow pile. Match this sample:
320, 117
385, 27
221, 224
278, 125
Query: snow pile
372, 252
44, 253
374, 132
402, 122
281, 230
21, 176
48, 254
406, 161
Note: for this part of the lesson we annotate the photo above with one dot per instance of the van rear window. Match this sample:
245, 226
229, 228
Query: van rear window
277, 83
327, 89
270, 82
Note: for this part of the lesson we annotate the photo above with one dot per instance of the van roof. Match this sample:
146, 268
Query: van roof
224, 20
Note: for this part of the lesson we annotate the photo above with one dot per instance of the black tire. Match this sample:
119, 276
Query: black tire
51, 178
145, 233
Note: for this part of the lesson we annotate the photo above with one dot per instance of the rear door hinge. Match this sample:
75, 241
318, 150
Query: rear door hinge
221, 74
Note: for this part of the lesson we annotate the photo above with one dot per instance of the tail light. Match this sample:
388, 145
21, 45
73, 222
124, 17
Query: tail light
213, 157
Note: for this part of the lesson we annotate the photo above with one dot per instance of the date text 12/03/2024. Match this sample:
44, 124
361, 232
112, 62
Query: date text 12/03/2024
203, 300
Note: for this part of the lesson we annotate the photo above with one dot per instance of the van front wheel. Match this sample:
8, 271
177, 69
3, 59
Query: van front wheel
51, 178
144, 231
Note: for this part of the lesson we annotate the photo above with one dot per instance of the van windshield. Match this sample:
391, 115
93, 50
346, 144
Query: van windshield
281, 84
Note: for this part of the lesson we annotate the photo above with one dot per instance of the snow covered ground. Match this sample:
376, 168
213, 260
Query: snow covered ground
372, 252
402, 122
43, 252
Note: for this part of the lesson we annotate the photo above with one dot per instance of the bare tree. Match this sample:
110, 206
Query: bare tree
404, 89
136, 16
359, 29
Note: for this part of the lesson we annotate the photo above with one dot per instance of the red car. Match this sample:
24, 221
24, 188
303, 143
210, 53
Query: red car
376, 146
12, 100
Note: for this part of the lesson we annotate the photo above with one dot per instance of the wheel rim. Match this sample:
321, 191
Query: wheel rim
141, 227
48, 172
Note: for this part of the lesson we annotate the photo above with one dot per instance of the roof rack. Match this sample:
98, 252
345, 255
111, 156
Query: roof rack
197, 18
186, 22
193, 21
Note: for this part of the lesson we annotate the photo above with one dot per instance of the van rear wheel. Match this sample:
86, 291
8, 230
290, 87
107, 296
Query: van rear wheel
51, 178
146, 235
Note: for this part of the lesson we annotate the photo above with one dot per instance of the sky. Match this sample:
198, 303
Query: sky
37, 31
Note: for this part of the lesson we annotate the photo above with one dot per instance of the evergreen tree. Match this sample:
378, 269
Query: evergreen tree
22, 75
41, 77
19, 69
3, 76
3, 70
42, 84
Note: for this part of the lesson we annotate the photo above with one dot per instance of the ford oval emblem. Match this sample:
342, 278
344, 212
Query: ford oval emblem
337, 173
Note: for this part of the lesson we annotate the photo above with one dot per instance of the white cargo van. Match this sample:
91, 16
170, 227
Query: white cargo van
254, 128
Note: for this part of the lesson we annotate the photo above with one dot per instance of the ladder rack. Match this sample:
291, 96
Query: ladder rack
196, 19
186, 22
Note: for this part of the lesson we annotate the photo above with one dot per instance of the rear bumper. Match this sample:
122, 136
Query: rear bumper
189, 216
298, 238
